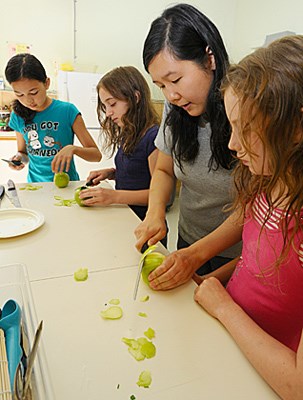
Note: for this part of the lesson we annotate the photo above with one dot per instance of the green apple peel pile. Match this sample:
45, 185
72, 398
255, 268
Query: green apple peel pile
140, 348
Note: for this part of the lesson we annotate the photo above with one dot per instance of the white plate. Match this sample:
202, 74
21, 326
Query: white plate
18, 221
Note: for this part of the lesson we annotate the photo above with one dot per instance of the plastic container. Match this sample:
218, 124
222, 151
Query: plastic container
14, 284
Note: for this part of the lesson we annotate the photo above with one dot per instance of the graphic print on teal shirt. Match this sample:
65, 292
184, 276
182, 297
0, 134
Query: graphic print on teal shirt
50, 131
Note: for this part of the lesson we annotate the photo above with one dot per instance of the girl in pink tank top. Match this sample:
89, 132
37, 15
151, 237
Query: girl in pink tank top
262, 304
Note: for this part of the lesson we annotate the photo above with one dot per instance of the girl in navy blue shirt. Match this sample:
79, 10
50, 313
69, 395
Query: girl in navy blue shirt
130, 125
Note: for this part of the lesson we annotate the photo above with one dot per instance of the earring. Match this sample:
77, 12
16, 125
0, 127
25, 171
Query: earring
208, 50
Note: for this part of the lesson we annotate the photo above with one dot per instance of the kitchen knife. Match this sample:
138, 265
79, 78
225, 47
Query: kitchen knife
12, 193
141, 263
14, 162
31, 360
2, 191
89, 183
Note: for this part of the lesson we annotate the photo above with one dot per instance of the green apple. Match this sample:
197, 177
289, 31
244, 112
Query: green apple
77, 198
61, 179
151, 262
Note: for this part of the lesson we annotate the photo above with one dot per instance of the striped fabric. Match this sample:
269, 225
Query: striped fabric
261, 211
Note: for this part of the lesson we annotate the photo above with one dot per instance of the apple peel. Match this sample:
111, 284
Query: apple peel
145, 379
113, 312
114, 302
29, 186
142, 314
150, 333
140, 348
64, 202
81, 275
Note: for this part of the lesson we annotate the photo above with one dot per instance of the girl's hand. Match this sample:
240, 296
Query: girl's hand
62, 160
100, 175
151, 230
98, 197
213, 297
177, 269
16, 167
18, 157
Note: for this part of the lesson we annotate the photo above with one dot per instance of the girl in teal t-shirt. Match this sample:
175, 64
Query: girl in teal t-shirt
45, 127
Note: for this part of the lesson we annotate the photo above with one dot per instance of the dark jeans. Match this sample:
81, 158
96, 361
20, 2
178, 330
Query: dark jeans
211, 265
164, 241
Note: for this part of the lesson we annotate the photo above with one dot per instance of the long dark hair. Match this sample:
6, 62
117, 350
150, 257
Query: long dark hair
127, 84
186, 33
24, 66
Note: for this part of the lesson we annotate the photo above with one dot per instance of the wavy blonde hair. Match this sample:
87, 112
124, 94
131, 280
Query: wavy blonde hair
269, 85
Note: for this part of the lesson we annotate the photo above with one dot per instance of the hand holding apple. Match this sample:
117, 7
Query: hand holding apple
99, 196
63, 158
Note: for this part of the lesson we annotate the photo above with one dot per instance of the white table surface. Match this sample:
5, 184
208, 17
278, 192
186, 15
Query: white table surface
196, 358
72, 237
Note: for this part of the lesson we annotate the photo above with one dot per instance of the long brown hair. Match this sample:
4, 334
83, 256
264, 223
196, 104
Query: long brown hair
269, 86
128, 84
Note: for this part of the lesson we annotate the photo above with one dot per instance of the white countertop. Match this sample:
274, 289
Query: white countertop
72, 237
196, 358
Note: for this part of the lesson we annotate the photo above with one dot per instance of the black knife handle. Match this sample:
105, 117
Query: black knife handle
2, 191
16, 162
89, 183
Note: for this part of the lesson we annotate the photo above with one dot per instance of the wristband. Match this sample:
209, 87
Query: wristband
22, 157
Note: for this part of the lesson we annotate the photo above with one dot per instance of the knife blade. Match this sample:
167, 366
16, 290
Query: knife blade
141, 263
138, 278
12, 193
14, 162
31, 360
